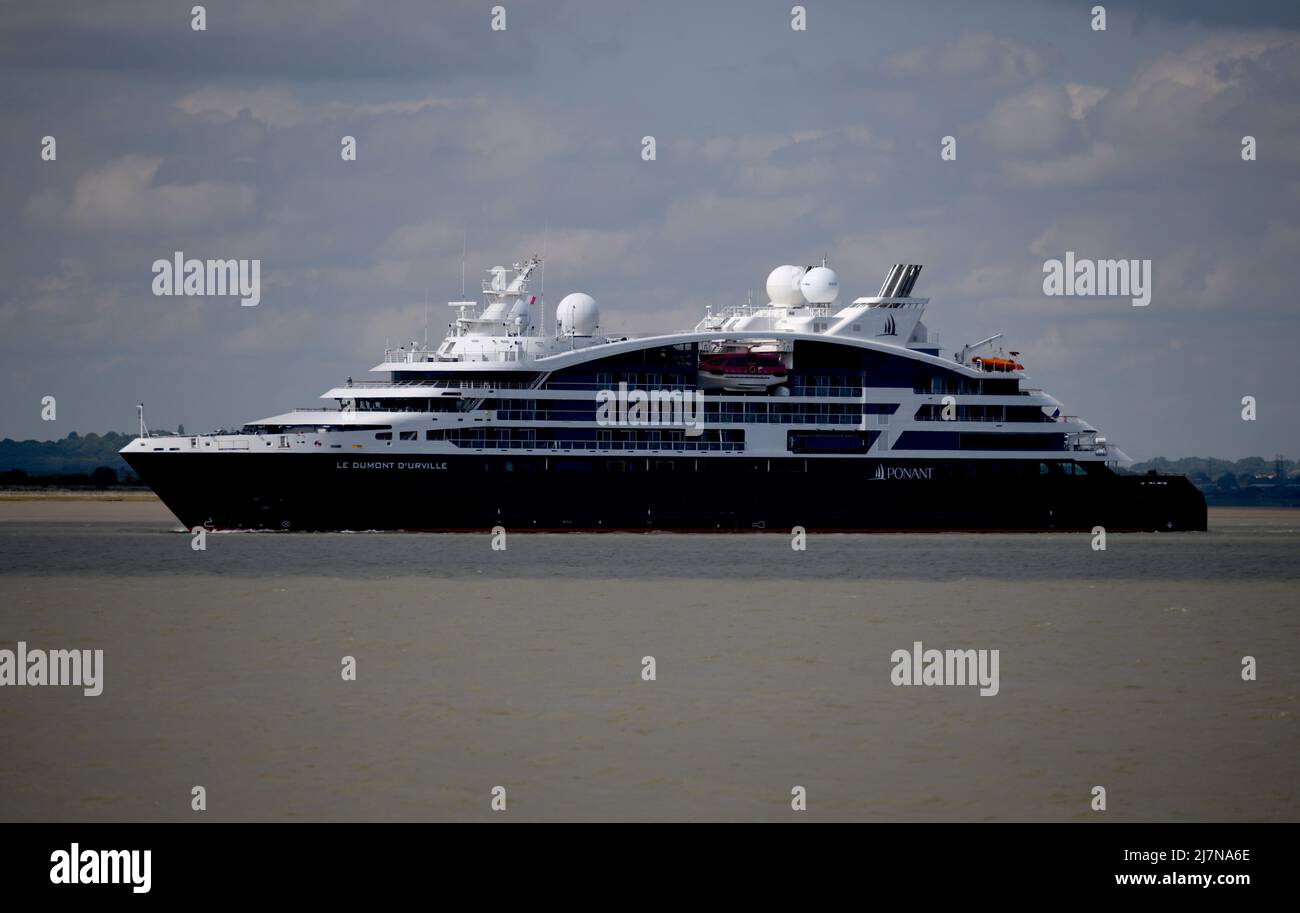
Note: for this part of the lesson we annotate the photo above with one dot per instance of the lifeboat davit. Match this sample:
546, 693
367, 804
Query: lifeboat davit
997, 363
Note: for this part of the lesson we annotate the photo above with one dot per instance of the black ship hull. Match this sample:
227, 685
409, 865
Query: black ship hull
337, 491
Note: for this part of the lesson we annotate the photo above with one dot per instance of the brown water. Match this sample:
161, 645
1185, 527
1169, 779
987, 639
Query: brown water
522, 669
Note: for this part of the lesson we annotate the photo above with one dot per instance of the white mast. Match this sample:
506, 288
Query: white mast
541, 292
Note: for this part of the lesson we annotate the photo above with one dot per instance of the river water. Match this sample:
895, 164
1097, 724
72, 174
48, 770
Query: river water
523, 668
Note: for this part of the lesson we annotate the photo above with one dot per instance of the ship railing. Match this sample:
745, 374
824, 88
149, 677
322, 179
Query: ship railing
219, 432
613, 385
972, 418
947, 390
410, 356
391, 383
740, 418
951, 390
728, 418
539, 415
715, 320
438, 385
604, 446
481, 384
818, 390
447, 384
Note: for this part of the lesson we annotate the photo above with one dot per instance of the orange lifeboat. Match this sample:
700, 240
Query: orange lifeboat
996, 363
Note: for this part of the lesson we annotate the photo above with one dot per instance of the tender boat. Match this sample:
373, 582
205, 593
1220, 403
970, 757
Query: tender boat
741, 372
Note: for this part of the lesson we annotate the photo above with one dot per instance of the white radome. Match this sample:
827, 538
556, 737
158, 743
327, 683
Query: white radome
820, 285
578, 315
783, 286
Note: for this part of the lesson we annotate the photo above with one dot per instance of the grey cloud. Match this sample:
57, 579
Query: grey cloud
303, 39
125, 195
982, 58
773, 147
1035, 122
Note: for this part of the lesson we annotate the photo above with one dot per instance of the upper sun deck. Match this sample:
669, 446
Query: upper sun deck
539, 360
504, 337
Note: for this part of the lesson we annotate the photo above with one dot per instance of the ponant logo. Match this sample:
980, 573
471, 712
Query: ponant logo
902, 472
890, 329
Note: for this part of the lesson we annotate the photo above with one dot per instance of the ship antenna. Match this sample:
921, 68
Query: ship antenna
144, 432
464, 235
541, 290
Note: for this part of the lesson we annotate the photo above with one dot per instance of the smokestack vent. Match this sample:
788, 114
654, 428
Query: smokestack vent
900, 281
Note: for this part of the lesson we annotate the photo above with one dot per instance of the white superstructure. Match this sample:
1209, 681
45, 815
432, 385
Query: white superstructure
835, 381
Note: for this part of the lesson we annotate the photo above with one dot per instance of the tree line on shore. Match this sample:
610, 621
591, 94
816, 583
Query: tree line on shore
74, 461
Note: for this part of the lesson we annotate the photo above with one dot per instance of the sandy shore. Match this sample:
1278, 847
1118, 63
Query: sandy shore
1245, 513
81, 506
68, 494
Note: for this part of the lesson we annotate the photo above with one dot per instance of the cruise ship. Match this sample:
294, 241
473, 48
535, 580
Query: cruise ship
800, 412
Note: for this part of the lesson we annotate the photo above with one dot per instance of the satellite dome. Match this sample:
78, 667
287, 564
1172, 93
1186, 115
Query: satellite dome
578, 315
783, 286
820, 285
498, 278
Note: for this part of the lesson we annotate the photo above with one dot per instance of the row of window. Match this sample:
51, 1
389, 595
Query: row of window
829, 470
935, 412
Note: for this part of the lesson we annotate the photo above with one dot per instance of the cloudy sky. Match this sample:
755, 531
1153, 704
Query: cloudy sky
773, 146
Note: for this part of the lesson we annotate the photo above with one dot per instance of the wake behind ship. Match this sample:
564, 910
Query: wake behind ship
799, 412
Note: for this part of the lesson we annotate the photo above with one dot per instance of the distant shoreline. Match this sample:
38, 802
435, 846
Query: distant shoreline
72, 494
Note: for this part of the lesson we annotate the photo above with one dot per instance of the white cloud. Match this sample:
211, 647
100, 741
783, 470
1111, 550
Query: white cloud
279, 106
981, 58
1035, 122
123, 196
273, 106
1083, 98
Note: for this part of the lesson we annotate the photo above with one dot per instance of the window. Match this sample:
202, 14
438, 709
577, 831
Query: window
384, 436
407, 435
